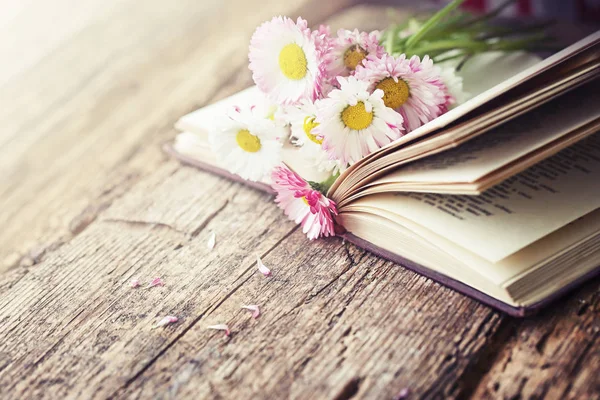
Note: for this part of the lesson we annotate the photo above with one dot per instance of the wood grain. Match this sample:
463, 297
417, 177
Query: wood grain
553, 355
72, 124
327, 310
88, 201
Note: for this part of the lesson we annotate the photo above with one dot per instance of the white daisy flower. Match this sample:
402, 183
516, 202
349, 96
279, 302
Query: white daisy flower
349, 50
248, 144
302, 123
354, 122
286, 62
263, 107
412, 87
454, 83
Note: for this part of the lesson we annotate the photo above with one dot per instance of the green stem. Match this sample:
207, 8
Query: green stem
446, 27
462, 63
449, 45
389, 40
432, 22
505, 45
324, 186
448, 58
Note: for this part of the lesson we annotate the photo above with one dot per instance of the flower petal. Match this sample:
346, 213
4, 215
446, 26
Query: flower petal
134, 283
402, 394
221, 327
212, 240
156, 282
262, 268
169, 319
255, 310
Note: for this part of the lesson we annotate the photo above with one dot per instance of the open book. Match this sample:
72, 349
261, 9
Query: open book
498, 198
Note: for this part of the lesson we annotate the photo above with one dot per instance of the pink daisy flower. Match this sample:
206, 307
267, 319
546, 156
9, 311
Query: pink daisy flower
325, 44
287, 60
302, 204
412, 87
349, 50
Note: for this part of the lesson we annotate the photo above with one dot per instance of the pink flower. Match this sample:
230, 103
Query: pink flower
302, 204
135, 282
350, 49
412, 87
324, 43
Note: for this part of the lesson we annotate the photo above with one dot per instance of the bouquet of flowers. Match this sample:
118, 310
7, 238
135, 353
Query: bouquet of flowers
338, 98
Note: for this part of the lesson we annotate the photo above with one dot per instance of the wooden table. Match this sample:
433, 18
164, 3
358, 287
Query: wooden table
89, 91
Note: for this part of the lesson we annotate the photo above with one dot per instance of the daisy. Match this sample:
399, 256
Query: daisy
455, 95
302, 122
349, 50
286, 62
325, 44
412, 87
248, 144
354, 122
262, 107
303, 204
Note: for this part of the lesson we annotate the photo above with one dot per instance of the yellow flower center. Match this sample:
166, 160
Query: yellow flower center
271, 114
354, 56
356, 117
292, 61
394, 93
247, 141
305, 201
309, 125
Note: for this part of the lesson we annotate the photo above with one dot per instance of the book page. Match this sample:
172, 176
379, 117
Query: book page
506, 143
514, 214
548, 70
452, 137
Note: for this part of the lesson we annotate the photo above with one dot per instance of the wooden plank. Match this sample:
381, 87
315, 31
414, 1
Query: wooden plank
72, 123
335, 318
555, 355
336, 322
88, 331
32, 29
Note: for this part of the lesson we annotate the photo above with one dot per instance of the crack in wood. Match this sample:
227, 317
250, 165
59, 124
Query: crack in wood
350, 389
78, 224
540, 345
496, 341
581, 356
141, 223
353, 263
184, 234
208, 219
